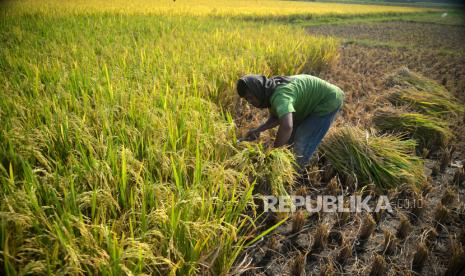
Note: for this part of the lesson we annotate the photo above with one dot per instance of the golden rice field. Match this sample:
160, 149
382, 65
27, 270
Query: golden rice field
118, 149
222, 8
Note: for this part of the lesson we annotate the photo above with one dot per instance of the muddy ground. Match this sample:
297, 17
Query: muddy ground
292, 249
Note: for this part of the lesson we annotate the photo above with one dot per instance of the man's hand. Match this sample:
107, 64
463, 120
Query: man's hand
252, 134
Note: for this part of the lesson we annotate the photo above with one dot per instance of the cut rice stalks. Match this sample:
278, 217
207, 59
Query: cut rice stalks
422, 95
430, 132
386, 161
273, 170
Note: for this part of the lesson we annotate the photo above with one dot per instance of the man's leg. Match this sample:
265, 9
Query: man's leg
308, 136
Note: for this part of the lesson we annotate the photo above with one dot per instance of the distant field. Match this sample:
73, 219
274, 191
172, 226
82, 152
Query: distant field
256, 8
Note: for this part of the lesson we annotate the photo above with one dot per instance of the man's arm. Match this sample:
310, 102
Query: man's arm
270, 123
284, 130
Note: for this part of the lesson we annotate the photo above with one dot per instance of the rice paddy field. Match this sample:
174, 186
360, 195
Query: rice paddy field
119, 127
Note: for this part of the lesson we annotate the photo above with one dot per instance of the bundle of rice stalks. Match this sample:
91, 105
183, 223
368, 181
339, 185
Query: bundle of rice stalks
430, 132
386, 161
403, 77
422, 94
273, 170
426, 103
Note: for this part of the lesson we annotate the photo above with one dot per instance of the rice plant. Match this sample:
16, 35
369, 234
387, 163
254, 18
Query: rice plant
384, 160
274, 170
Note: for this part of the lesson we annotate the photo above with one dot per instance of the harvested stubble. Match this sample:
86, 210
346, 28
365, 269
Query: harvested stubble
459, 177
343, 217
298, 266
429, 236
418, 207
333, 186
321, 237
435, 169
367, 228
336, 238
422, 94
441, 214
345, 253
390, 243
419, 258
449, 197
378, 216
404, 228
327, 269
379, 266
430, 132
456, 264
462, 236
298, 221
445, 159
384, 160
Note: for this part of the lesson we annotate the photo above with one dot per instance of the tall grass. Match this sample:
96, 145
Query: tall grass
116, 137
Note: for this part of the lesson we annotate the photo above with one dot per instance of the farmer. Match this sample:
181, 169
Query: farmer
303, 106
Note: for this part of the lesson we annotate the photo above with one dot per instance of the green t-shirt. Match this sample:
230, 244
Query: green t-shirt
306, 95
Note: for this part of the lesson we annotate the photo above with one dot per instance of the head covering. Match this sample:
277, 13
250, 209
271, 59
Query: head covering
261, 86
